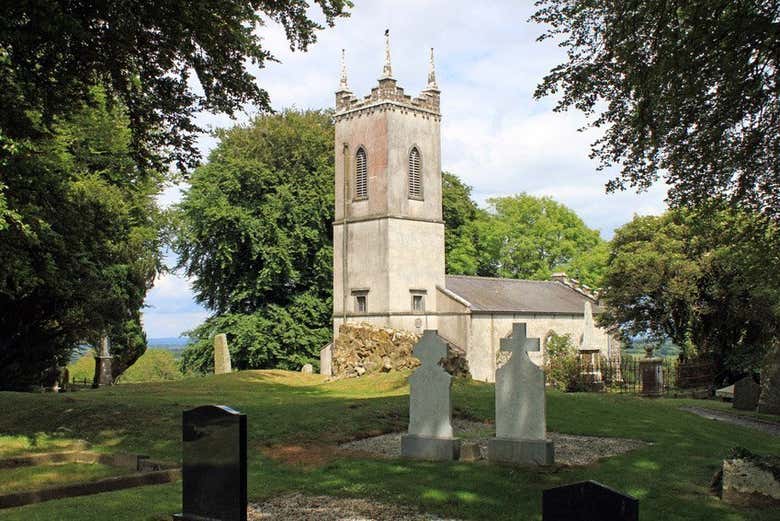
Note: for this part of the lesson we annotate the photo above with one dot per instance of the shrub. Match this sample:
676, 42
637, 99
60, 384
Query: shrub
561, 362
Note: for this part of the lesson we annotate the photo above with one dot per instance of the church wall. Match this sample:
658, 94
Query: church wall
454, 319
487, 329
366, 264
415, 251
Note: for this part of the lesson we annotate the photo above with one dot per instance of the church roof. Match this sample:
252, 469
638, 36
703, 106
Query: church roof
485, 294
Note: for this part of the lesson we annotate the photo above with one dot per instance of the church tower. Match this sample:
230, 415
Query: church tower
388, 233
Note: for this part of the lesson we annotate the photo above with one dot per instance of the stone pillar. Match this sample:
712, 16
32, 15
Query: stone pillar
326, 360
652, 373
221, 355
103, 365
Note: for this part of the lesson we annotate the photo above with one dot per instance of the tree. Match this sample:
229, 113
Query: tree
523, 236
684, 90
458, 211
255, 235
83, 246
708, 281
147, 55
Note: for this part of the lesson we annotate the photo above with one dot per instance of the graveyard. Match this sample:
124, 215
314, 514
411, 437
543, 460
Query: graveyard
296, 422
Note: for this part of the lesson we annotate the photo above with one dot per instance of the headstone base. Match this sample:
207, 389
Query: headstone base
432, 449
521, 452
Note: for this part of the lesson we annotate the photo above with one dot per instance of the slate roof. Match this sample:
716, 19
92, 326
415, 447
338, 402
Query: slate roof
487, 294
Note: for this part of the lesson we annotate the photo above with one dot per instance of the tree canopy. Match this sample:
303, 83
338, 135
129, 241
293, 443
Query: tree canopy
710, 282
83, 246
684, 90
165, 60
255, 235
523, 236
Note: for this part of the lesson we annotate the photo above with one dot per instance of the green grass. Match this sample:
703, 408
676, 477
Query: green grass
670, 477
155, 365
36, 477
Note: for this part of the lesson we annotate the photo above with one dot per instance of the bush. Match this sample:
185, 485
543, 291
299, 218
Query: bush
561, 362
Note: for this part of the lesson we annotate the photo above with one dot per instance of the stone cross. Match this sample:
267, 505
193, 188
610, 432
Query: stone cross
520, 390
430, 404
221, 354
520, 405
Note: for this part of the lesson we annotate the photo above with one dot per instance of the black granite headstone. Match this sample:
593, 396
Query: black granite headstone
746, 394
214, 464
588, 501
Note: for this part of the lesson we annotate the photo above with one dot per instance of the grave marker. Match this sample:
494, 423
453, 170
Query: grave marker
521, 428
221, 354
746, 394
588, 501
430, 405
213, 464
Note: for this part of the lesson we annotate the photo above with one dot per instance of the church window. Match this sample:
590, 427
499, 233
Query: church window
361, 174
415, 176
418, 300
361, 300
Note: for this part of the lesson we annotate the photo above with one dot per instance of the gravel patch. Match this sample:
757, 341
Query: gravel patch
300, 507
743, 421
570, 450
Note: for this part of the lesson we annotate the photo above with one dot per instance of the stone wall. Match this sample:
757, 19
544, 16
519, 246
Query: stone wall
364, 349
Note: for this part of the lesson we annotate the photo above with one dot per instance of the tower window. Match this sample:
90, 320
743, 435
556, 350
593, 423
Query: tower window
361, 300
361, 174
418, 300
415, 176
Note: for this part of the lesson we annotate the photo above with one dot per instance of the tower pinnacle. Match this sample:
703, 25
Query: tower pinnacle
432, 75
387, 70
343, 80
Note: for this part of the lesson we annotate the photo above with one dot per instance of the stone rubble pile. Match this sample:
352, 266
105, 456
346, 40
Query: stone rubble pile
365, 349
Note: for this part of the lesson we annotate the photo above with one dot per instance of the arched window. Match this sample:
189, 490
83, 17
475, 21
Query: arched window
415, 176
361, 174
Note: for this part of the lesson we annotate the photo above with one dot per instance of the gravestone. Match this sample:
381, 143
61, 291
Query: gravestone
307, 369
588, 501
769, 402
746, 394
326, 360
103, 360
213, 465
521, 428
221, 354
430, 405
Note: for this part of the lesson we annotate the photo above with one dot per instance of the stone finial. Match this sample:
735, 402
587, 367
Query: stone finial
387, 70
343, 85
432, 75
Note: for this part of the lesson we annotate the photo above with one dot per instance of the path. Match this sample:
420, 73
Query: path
744, 421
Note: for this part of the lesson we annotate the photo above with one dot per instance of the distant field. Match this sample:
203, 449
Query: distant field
156, 365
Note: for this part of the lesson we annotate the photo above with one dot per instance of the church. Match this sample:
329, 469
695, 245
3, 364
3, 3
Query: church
388, 239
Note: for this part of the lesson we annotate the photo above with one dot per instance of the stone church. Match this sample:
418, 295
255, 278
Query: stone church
388, 239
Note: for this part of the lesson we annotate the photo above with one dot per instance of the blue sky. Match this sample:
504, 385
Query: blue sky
495, 136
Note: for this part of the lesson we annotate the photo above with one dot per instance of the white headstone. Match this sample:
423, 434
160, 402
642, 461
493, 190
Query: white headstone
326, 360
307, 369
430, 406
520, 401
221, 355
588, 329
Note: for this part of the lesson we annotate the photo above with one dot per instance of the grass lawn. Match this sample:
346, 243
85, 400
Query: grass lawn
42, 476
290, 410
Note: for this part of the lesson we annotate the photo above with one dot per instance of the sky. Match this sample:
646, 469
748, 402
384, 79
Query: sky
495, 136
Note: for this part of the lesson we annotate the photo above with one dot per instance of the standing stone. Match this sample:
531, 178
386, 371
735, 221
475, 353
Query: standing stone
430, 405
521, 428
221, 354
307, 369
746, 394
326, 360
769, 402
103, 359
589, 352
213, 465
586, 501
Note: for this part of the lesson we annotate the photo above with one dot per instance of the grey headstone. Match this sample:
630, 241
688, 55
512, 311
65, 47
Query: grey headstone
214, 464
746, 394
307, 369
103, 360
430, 405
326, 360
221, 355
521, 427
588, 501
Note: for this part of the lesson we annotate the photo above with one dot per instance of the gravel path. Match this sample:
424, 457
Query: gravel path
569, 449
744, 421
299, 507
